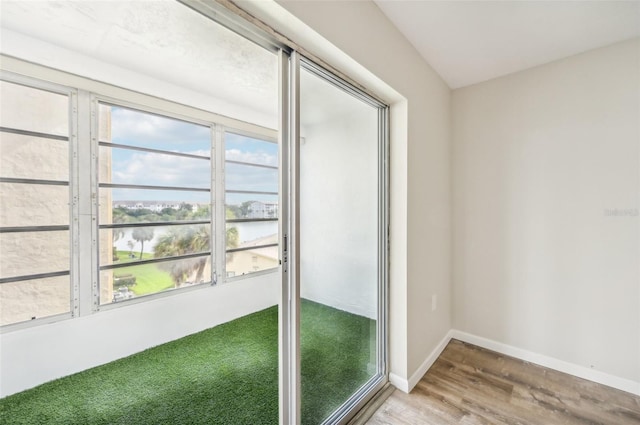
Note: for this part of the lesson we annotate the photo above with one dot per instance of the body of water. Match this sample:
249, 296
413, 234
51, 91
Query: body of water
247, 232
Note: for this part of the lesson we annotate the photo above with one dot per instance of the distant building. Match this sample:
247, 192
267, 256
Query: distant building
253, 259
259, 209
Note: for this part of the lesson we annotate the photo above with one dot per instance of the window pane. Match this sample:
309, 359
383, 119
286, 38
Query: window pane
143, 243
243, 262
148, 206
142, 129
33, 205
145, 279
339, 246
249, 150
252, 209
241, 235
238, 204
250, 178
30, 109
251, 165
32, 299
30, 157
27, 253
124, 166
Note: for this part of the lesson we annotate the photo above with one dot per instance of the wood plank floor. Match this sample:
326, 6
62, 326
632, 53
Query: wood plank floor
471, 385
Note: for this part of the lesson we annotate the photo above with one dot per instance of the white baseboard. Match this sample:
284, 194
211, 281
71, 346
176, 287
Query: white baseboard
398, 382
407, 385
519, 353
550, 362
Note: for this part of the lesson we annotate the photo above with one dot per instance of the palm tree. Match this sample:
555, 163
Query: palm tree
188, 240
181, 241
142, 234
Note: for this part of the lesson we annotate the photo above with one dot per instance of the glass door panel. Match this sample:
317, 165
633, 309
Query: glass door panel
339, 254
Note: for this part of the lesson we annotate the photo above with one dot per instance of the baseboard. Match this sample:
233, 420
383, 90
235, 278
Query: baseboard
398, 382
550, 362
407, 385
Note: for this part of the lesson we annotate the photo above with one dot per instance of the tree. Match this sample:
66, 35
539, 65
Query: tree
131, 244
232, 237
120, 215
181, 241
188, 240
142, 234
233, 211
245, 208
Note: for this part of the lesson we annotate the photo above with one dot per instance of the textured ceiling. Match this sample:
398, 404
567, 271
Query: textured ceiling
161, 40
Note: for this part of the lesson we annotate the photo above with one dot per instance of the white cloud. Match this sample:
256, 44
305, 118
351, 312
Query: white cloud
160, 170
142, 129
242, 177
252, 157
136, 128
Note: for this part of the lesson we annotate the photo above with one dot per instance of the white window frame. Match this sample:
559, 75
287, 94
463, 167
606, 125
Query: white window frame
261, 137
84, 98
72, 138
96, 100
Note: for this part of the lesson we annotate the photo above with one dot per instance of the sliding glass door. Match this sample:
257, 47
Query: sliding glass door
338, 258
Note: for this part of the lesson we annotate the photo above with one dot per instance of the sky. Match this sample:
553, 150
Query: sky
135, 128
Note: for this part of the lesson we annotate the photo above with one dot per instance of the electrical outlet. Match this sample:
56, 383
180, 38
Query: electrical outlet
434, 302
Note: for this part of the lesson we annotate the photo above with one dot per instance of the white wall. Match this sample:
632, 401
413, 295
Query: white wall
35, 355
357, 38
339, 210
542, 160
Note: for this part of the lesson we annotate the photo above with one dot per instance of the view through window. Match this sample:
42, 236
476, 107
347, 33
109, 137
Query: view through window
155, 203
251, 188
145, 208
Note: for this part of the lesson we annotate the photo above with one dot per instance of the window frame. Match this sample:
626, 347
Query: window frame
96, 143
85, 96
261, 138
72, 190
218, 128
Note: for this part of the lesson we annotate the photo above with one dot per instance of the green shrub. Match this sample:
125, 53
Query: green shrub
124, 280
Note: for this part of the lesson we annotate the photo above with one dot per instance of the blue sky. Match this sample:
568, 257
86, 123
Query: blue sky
134, 128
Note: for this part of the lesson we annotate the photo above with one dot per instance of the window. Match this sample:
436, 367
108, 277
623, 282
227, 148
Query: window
152, 191
251, 190
35, 233
154, 177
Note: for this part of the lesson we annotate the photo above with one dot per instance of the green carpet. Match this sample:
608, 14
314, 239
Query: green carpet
224, 375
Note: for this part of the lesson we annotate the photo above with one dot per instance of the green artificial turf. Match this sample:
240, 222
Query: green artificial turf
224, 375
335, 350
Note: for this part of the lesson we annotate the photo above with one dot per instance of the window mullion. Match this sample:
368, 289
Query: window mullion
74, 205
218, 199
83, 255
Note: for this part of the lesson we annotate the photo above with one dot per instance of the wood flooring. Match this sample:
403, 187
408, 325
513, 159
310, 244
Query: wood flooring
471, 385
